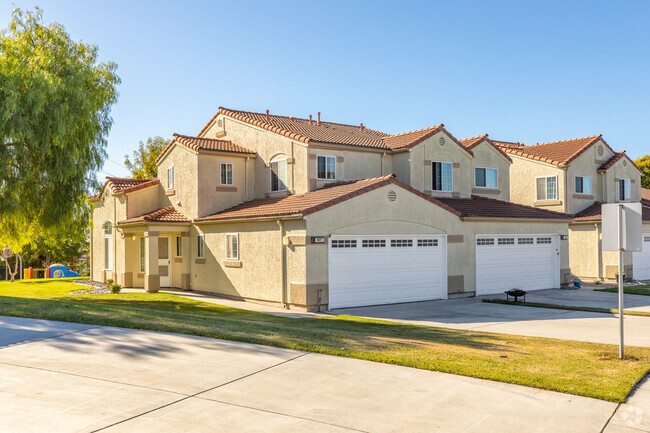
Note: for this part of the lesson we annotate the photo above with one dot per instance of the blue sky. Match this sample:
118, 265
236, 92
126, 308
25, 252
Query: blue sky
519, 71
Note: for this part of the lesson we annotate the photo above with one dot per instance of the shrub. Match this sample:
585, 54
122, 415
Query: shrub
109, 282
115, 288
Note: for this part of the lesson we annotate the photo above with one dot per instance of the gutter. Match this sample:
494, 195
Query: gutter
541, 220
289, 217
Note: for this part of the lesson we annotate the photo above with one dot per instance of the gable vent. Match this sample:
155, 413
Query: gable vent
392, 196
601, 150
441, 141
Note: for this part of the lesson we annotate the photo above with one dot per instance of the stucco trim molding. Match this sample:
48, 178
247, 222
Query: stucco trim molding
583, 196
547, 203
199, 261
490, 191
455, 239
170, 192
226, 189
232, 263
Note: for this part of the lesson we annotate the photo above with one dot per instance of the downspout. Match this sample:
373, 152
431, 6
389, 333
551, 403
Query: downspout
246, 179
283, 264
566, 189
382, 164
115, 239
92, 253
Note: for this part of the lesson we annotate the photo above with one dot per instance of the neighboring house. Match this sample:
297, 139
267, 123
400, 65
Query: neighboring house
576, 177
311, 214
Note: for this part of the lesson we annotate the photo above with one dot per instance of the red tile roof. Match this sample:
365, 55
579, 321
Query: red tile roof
120, 184
645, 196
164, 215
594, 213
205, 144
482, 207
471, 143
306, 131
614, 159
558, 153
510, 144
314, 201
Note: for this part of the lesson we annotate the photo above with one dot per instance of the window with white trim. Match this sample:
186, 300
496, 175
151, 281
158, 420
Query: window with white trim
485, 177
200, 246
583, 185
170, 177
226, 173
108, 245
546, 188
373, 243
279, 175
624, 189
484, 241
179, 246
142, 254
326, 167
442, 176
348, 243
232, 246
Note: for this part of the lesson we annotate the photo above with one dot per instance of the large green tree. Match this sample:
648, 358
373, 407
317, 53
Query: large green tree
55, 100
644, 165
143, 165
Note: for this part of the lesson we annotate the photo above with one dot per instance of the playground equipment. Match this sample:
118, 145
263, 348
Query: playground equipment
54, 271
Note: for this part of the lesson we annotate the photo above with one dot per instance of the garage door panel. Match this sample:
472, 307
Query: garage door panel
527, 262
386, 269
641, 260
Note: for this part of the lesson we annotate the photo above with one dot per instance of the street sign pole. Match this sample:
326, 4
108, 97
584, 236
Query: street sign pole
621, 349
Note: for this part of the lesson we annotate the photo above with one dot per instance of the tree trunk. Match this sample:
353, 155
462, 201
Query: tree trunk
15, 271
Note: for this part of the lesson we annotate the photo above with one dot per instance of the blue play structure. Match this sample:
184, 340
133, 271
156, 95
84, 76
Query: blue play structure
60, 271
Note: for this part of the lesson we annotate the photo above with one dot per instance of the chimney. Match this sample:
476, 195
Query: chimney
310, 121
291, 118
318, 119
267, 116
361, 127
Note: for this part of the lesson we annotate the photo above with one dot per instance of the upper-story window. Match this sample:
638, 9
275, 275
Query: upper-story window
583, 185
170, 177
624, 189
546, 188
279, 175
326, 167
226, 173
442, 176
486, 177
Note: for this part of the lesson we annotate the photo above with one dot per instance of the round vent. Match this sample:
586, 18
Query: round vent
219, 123
624, 163
441, 141
601, 150
392, 196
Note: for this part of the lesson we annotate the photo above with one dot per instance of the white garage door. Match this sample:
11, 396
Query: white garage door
641, 261
528, 262
373, 270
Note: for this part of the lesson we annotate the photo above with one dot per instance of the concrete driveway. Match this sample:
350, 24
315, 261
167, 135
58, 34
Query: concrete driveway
63, 377
474, 314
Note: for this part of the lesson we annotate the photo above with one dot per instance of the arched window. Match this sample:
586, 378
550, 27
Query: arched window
278, 170
108, 245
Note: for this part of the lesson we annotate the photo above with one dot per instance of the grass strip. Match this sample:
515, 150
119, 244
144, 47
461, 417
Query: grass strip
633, 290
580, 368
567, 307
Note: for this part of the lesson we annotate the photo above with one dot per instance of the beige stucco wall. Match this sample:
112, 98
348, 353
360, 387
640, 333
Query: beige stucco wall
269, 147
143, 201
260, 254
523, 174
487, 156
213, 196
587, 164
108, 208
622, 169
185, 163
422, 154
350, 164
584, 250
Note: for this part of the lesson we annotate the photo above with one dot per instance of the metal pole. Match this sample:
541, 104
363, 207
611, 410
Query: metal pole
621, 349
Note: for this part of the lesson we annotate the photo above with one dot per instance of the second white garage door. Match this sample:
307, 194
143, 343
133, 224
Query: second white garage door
527, 262
641, 261
374, 270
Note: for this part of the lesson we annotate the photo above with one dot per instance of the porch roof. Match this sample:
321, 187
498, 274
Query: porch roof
165, 215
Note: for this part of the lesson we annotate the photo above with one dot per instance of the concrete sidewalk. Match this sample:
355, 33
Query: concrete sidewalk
76, 378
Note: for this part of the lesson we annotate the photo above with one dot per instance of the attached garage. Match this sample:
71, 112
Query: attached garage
523, 261
641, 260
374, 270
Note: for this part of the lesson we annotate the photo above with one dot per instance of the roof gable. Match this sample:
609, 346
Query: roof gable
164, 215
198, 144
305, 204
615, 159
473, 142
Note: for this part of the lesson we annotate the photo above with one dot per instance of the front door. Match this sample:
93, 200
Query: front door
164, 262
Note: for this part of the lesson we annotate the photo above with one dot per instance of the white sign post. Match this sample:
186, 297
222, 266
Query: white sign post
622, 231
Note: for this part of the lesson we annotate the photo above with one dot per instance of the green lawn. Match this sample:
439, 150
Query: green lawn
586, 369
634, 290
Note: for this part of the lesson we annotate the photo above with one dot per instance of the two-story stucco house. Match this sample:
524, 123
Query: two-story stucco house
576, 177
311, 214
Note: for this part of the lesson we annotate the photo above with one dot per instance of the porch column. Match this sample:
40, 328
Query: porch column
187, 257
151, 267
